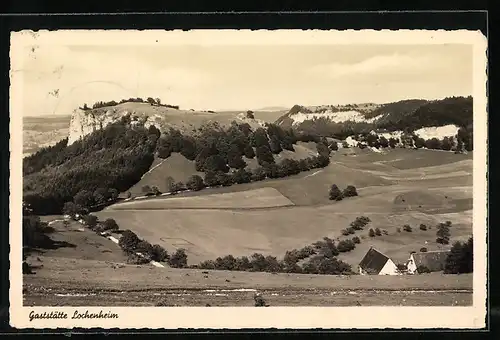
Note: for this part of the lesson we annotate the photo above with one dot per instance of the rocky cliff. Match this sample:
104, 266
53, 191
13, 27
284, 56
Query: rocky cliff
84, 122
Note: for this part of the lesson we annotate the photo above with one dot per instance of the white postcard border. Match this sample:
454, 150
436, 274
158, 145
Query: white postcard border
251, 317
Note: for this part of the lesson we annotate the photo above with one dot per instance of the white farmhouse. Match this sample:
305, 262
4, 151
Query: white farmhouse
376, 263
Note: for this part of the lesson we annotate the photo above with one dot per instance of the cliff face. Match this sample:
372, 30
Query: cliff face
85, 122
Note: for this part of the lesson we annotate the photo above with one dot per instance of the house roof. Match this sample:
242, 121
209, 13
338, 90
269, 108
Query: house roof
434, 260
373, 260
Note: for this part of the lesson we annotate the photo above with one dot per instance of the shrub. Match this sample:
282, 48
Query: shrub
90, 221
345, 246
443, 234
356, 240
360, 222
250, 114
423, 269
259, 301
155, 191
195, 183
351, 230
371, 233
136, 259
335, 193
385, 232
350, 191
398, 230
378, 232
158, 253
423, 227
110, 224
344, 232
128, 241
407, 228
423, 250
145, 248
178, 259
401, 267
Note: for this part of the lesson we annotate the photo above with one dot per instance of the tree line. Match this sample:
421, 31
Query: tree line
150, 100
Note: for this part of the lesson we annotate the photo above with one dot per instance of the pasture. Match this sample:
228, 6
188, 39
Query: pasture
210, 223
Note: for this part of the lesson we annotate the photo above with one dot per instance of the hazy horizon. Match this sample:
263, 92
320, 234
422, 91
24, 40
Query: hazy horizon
58, 79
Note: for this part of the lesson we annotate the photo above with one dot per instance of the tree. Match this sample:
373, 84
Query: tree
128, 241
460, 259
250, 115
84, 198
356, 239
446, 144
264, 155
335, 193
178, 259
334, 146
70, 209
110, 224
151, 101
249, 152
195, 183
383, 142
155, 191
423, 227
378, 232
407, 228
144, 247
371, 233
242, 176
392, 142
322, 149
90, 221
100, 195
443, 234
346, 246
350, 191
158, 253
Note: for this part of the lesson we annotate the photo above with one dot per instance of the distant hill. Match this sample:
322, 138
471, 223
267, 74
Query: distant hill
273, 108
402, 115
43, 131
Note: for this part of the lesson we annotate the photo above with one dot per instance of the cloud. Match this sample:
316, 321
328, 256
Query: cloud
380, 64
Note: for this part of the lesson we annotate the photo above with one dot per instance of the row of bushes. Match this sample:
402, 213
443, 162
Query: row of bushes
152, 101
321, 254
358, 224
286, 167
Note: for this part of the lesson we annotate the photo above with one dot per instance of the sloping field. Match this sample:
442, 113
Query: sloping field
78, 243
258, 198
176, 166
207, 234
243, 225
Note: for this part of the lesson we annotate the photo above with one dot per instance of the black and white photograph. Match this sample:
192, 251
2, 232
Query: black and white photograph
226, 169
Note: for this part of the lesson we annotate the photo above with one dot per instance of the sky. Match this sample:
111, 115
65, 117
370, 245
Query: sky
57, 79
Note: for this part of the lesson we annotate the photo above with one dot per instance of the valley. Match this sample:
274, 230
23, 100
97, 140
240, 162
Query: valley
288, 208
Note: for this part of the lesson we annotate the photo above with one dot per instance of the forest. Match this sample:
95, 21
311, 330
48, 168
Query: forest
94, 170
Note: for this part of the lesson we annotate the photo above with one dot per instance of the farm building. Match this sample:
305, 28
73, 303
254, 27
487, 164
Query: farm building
376, 263
434, 261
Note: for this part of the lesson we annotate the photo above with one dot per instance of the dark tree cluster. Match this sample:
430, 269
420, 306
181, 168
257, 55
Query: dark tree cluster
336, 195
152, 101
460, 259
443, 233
96, 167
321, 254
